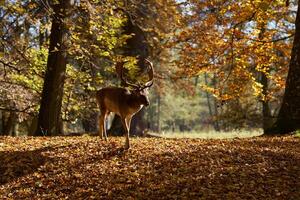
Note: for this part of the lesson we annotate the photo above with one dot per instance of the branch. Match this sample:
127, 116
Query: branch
18, 110
21, 85
243, 21
275, 40
232, 45
12, 45
10, 66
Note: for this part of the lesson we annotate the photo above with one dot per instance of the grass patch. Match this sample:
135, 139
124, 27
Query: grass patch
210, 134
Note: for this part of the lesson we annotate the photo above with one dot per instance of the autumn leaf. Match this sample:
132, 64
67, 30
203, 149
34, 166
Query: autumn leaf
155, 168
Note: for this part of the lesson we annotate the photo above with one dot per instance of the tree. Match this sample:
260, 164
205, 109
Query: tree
224, 38
136, 46
92, 34
148, 23
20, 61
49, 118
288, 119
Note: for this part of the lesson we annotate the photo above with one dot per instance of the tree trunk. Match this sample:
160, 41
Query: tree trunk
136, 46
158, 113
89, 123
49, 119
116, 128
213, 116
216, 111
1, 122
288, 119
266, 111
138, 124
9, 123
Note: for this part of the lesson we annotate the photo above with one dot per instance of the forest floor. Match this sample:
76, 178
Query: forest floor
154, 168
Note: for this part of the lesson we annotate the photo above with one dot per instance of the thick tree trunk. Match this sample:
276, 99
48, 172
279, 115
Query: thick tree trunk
138, 124
116, 128
136, 46
288, 119
50, 111
89, 124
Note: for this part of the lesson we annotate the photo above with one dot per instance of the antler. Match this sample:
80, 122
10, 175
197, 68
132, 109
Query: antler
149, 83
120, 73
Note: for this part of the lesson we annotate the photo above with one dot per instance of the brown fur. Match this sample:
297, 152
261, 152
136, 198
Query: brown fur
122, 102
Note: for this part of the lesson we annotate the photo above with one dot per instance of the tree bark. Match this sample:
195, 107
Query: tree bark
208, 98
9, 123
288, 119
1, 122
158, 130
49, 118
215, 122
136, 46
116, 128
266, 111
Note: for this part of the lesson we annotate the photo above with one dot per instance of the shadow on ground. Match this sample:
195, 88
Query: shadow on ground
15, 164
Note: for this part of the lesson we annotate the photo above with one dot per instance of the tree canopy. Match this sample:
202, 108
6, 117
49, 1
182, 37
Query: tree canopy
233, 55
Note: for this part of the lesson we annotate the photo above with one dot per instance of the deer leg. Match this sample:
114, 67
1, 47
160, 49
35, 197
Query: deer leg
104, 126
101, 125
127, 121
126, 125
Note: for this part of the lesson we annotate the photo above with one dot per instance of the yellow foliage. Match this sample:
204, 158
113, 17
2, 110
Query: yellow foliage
238, 40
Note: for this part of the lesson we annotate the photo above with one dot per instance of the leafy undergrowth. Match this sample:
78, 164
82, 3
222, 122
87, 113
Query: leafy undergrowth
154, 168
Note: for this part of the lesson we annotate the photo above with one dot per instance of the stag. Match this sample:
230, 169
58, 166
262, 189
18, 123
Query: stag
122, 101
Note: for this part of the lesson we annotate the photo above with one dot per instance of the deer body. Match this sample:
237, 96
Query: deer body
123, 102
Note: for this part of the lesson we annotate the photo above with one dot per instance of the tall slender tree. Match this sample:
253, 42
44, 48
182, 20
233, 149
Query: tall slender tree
49, 118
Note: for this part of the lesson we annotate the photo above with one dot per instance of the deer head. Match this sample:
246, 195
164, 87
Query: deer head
123, 102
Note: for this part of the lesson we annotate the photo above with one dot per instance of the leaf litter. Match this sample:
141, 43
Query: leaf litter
154, 168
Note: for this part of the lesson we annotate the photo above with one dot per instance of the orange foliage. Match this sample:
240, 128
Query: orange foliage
235, 41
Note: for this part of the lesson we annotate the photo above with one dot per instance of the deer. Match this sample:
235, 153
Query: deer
125, 102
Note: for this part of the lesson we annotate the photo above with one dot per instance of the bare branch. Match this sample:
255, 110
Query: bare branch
10, 66
275, 40
25, 110
21, 85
